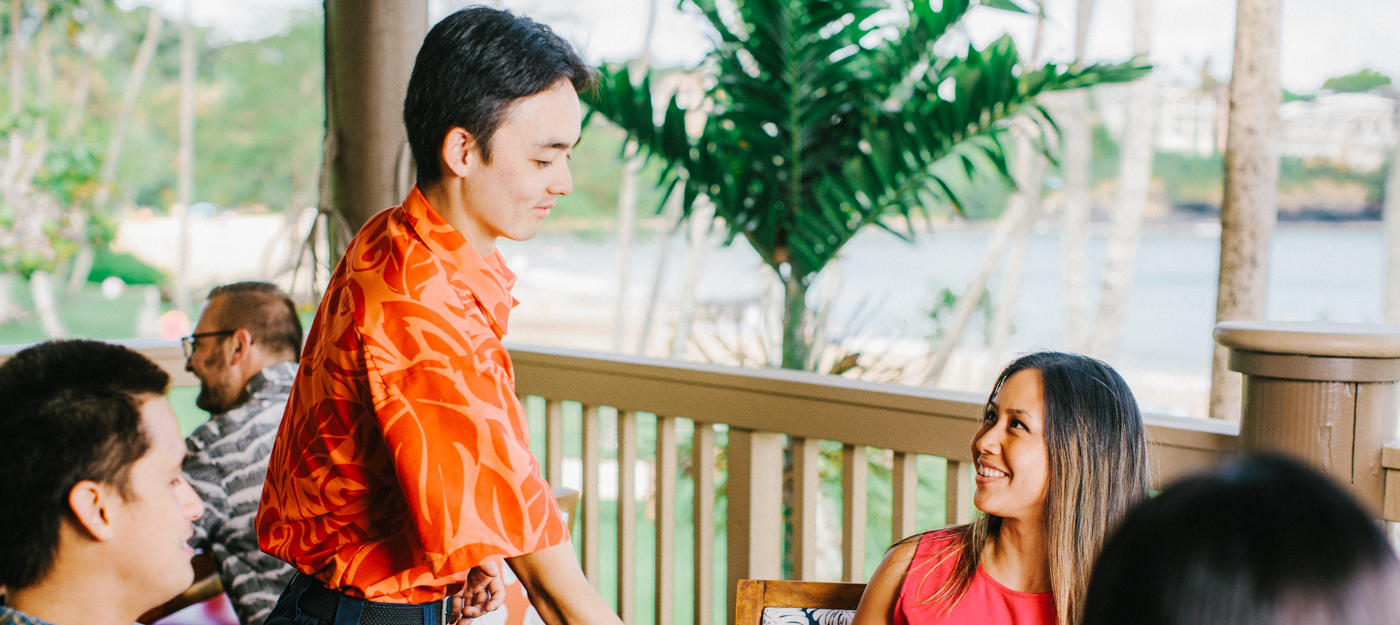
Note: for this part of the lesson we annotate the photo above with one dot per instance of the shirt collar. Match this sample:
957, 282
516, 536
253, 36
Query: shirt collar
11, 616
488, 279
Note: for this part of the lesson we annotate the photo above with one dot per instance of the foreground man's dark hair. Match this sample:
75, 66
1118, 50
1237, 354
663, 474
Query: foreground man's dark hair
473, 65
1264, 541
69, 411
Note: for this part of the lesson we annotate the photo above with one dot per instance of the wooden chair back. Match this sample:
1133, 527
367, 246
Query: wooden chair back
755, 594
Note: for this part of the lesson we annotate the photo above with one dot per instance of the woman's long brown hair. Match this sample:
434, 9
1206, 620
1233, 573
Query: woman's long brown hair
1097, 449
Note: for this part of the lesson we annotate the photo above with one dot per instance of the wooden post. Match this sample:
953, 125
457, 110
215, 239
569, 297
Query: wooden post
370, 47
958, 493
755, 517
1323, 393
904, 483
1249, 208
702, 462
806, 497
853, 473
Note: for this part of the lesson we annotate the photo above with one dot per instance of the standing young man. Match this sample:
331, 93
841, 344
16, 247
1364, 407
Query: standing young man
95, 513
402, 472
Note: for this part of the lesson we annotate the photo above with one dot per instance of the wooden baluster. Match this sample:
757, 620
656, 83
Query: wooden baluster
853, 470
627, 516
959, 510
904, 480
554, 442
755, 517
702, 466
665, 501
590, 493
807, 495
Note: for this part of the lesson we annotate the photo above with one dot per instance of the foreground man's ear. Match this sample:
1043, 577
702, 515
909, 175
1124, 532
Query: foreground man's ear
91, 503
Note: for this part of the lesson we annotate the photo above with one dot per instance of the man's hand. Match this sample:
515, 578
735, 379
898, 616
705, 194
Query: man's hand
484, 592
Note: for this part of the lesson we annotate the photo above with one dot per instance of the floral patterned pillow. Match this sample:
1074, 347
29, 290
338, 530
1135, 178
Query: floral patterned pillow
807, 616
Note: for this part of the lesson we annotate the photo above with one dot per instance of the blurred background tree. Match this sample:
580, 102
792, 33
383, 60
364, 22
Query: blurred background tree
826, 118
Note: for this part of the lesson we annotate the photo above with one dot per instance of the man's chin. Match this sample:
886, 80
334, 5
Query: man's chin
208, 404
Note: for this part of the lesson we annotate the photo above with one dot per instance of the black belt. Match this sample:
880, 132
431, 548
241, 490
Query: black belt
320, 602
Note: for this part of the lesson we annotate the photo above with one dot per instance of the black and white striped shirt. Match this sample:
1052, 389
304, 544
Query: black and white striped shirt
226, 461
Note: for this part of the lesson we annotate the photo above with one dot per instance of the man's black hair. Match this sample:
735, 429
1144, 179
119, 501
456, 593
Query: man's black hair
473, 65
69, 411
1262, 541
264, 311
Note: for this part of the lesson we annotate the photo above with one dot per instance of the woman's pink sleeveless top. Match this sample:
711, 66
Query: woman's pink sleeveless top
986, 601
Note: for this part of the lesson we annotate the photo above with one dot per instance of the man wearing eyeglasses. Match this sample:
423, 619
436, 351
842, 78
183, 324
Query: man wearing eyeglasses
244, 351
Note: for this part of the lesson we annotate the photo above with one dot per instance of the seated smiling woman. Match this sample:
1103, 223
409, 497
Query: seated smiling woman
1060, 457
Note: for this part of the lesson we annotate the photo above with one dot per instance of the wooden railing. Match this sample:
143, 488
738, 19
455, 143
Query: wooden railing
764, 411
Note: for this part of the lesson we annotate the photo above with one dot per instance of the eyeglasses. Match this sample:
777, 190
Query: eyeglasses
189, 342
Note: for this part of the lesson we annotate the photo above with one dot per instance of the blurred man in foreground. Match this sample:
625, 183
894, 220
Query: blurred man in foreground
96, 513
244, 352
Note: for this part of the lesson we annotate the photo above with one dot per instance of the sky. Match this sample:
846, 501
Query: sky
1320, 39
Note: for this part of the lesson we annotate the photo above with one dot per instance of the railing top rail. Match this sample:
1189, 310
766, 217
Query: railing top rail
892, 416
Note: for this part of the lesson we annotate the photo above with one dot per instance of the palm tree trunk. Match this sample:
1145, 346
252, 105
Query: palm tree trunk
82, 90
797, 345
44, 44
41, 289
626, 226
1032, 182
627, 204
1010, 221
1134, 185
702, 216
672, 215
9, 310
1078, 153
16, 57
1391, 211
82, 263
1030, 177
184, 194
1249, 209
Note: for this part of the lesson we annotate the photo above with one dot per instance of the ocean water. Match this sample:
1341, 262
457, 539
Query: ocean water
1317, 272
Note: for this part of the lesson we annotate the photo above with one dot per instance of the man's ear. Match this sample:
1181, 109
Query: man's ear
92, 504
242, 346
459, 152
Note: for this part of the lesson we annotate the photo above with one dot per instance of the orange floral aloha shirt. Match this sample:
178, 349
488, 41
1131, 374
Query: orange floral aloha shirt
403, 460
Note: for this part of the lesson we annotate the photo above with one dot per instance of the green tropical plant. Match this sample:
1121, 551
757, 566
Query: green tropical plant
826, 119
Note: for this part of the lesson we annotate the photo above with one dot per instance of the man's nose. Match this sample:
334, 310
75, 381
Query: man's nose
562, 184
190, 503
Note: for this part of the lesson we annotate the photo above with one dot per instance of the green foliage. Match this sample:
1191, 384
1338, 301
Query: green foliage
259, 116
1191, 179
1196, 180
1359, 82
70, 172
130, 269
260, 138
596, 167
825, 121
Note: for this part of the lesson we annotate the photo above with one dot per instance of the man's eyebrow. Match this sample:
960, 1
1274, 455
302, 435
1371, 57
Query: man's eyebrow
558, 144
